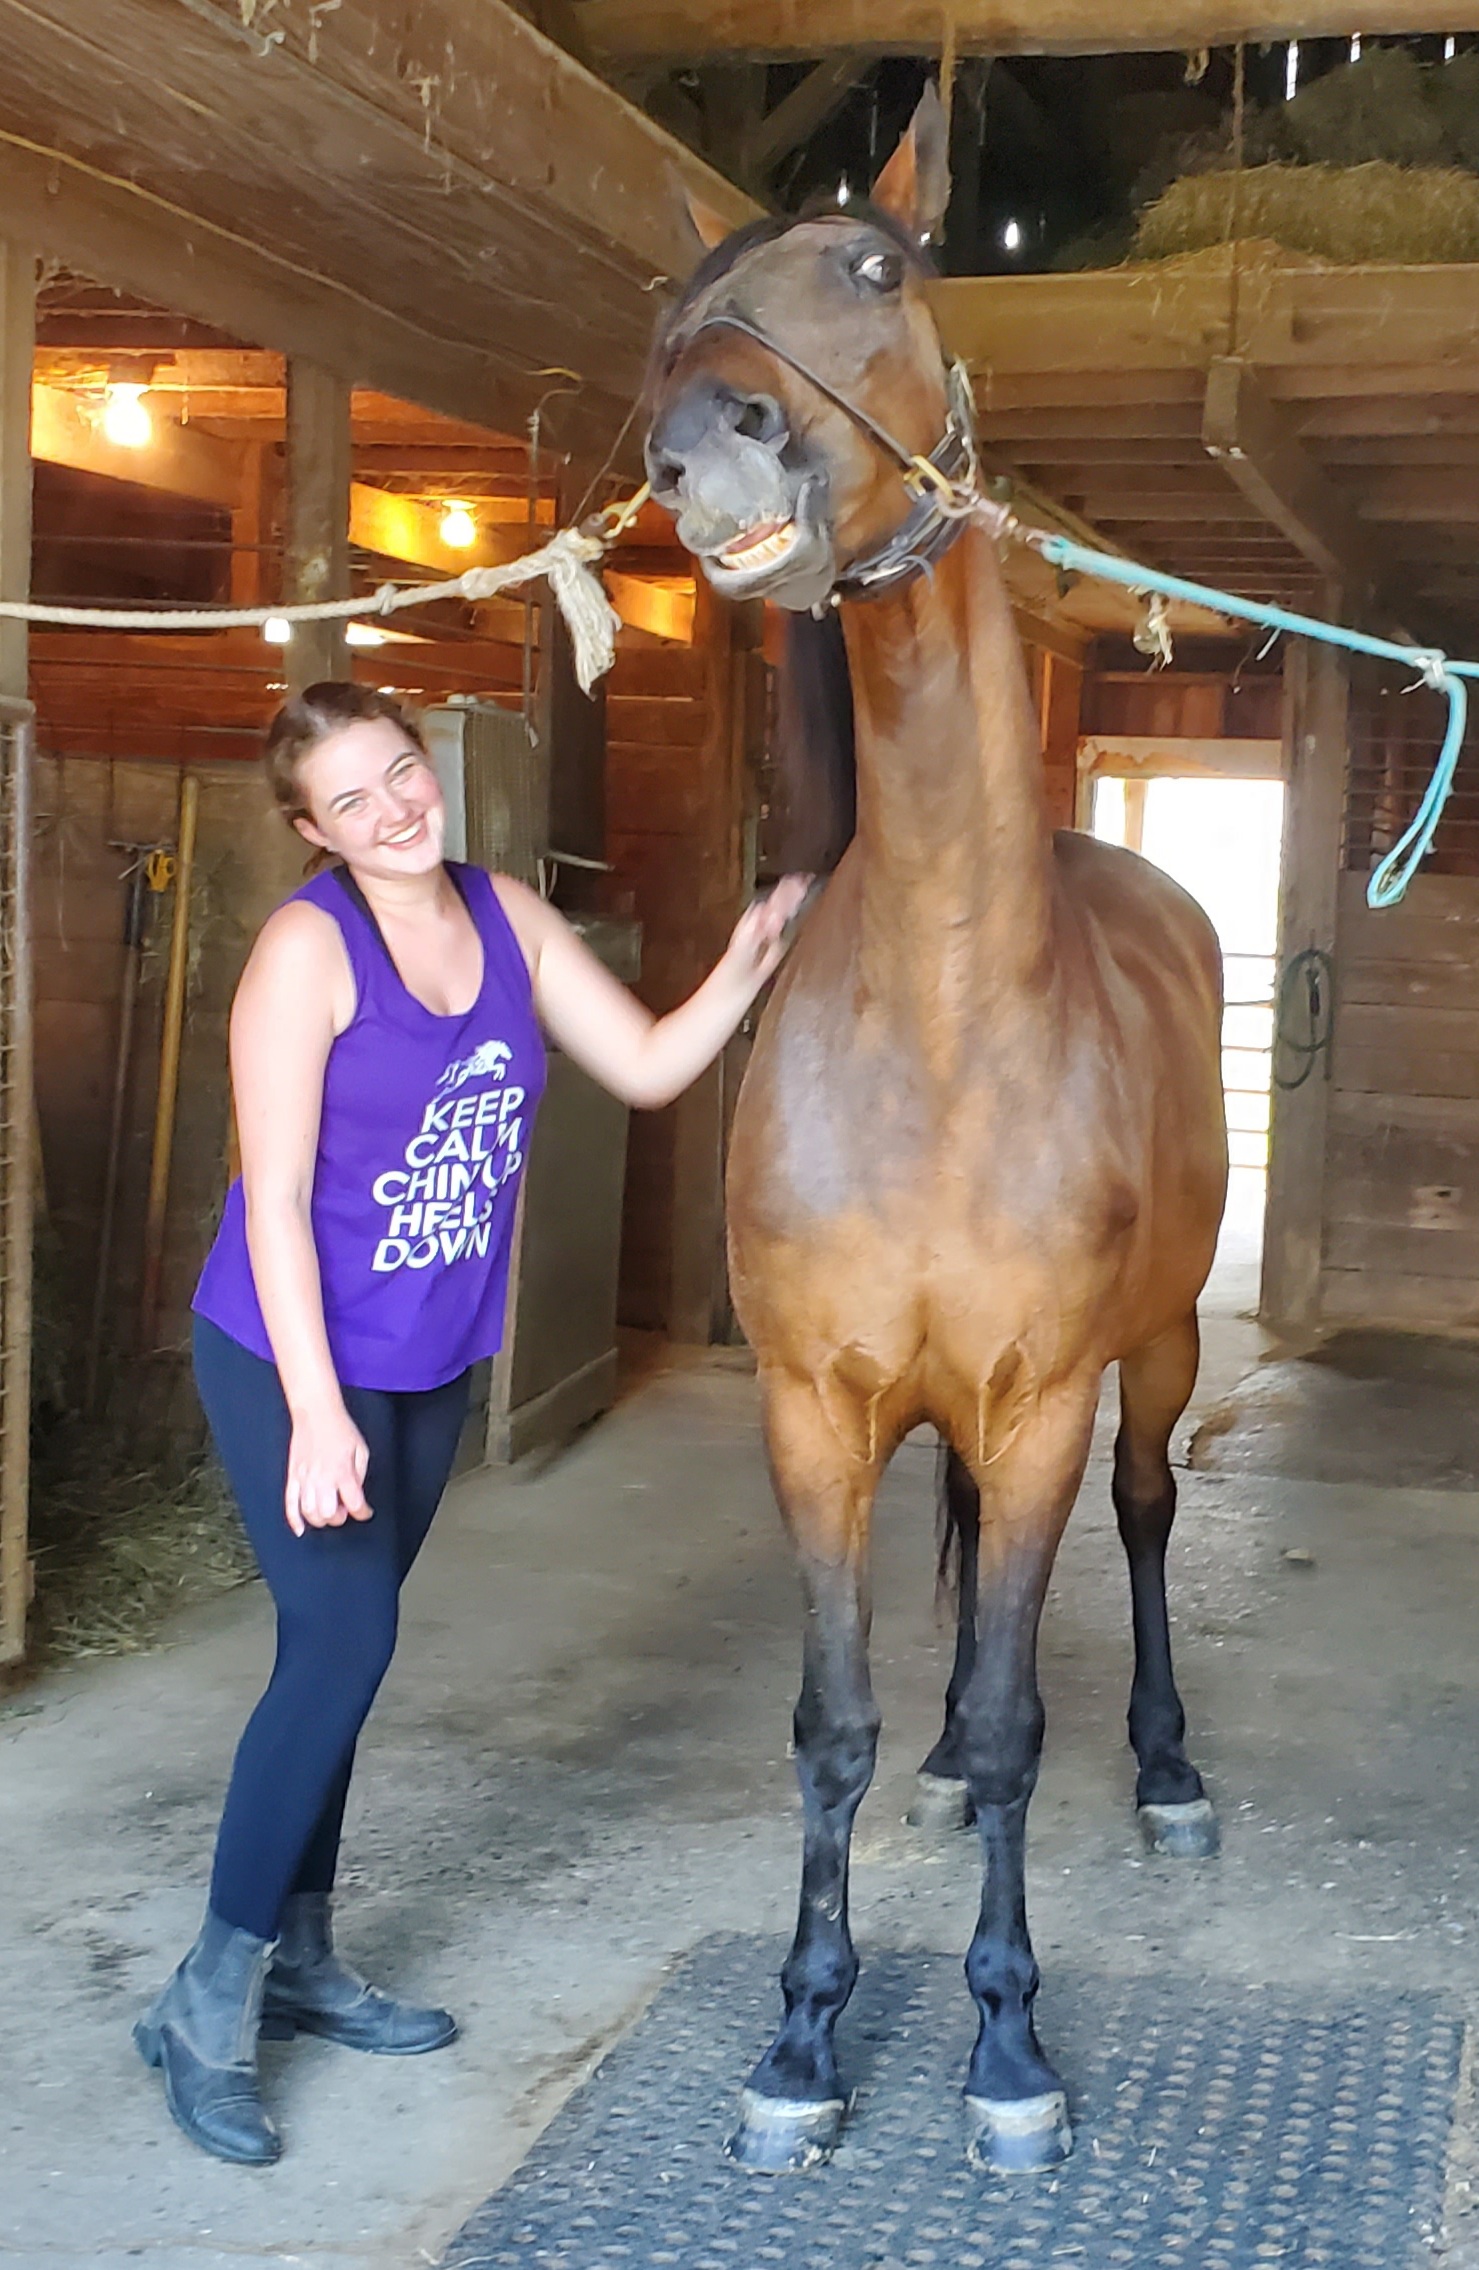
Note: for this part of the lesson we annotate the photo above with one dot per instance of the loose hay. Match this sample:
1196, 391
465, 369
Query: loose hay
119, 1547
1351, 215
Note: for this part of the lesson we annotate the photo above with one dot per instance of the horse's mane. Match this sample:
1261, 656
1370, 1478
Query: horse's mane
815, 753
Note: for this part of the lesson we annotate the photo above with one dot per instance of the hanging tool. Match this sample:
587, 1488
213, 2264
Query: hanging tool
138, 877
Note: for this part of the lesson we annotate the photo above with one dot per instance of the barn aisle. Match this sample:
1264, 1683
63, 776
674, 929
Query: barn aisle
578, 1771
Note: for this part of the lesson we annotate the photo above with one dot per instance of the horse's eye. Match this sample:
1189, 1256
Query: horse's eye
880, 271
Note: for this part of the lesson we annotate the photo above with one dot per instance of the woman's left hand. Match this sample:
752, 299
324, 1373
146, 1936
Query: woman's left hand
758, 945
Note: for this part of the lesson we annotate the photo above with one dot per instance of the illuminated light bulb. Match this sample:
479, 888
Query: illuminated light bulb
126, 423
458, 530
1355, 47
844, 191
1291, 71
1011, 236
1450, 48
277, 630
363, 634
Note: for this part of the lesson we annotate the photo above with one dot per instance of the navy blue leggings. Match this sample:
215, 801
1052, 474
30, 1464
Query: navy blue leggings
337, 1594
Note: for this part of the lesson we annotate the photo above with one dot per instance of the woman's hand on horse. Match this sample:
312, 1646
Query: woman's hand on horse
327, 1462
758, 946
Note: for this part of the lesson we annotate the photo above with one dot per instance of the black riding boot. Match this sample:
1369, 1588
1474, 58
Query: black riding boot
310, 1991
202, 2035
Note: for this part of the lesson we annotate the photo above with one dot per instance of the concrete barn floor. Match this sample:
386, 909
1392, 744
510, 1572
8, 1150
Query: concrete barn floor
578, 1768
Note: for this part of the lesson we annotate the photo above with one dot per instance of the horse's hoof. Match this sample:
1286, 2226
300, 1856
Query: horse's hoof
1018, 2138
940, 1804
776, 2136
1181, 1832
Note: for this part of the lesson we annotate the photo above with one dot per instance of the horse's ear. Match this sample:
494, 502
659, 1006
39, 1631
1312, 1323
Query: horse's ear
709, 227
915, 184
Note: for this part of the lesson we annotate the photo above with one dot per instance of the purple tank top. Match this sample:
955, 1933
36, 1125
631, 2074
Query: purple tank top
424, 1132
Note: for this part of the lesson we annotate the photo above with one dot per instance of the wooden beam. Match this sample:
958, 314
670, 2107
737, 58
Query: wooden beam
804, 111
1309, 330
178, 461
222, 279
1316, 686
316, 546
17, 347
699, 30
1258, 450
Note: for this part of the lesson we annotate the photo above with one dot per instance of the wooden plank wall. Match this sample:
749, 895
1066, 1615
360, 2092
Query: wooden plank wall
1401, 1243
246, 862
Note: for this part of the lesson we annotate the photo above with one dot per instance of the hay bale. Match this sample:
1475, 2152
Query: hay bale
1381, 107
1351, 215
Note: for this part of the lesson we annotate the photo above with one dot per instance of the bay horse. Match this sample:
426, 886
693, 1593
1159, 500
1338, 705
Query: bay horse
980, 1150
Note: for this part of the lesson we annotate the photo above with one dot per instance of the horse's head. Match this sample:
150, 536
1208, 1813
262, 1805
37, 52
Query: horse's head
796, 379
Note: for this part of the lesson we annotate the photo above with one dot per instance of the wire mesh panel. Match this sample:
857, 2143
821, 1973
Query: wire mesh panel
17, 1111
506, 786
1396, 730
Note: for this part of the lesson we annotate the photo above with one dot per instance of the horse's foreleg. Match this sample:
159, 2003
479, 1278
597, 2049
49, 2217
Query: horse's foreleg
941, 1799
1155, 1388
792, 2108
1016, 2107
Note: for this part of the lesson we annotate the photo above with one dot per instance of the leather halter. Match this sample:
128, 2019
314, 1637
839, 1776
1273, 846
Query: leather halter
936, 481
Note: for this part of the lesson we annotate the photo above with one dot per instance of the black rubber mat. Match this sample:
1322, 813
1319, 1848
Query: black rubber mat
1219, 2129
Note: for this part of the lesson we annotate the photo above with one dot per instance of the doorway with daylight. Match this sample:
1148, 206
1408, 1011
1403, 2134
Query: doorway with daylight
1220, 837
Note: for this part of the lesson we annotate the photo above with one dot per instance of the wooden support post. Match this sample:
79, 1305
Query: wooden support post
316, 551
697, 1302
251, 523
17, 356
1315, 736
19, 1150
1060, 703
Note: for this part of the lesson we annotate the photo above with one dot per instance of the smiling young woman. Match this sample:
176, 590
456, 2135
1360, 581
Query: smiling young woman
387, 1060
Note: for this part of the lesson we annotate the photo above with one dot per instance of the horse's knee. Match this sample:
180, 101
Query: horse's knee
999, 1745
837, 1754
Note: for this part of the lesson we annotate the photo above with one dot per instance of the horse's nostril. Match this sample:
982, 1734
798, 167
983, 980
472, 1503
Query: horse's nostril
762, 419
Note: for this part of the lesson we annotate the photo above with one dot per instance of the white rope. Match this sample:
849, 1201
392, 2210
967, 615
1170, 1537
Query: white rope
568, 560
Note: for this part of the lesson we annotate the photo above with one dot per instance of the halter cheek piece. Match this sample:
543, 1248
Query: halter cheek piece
941, 482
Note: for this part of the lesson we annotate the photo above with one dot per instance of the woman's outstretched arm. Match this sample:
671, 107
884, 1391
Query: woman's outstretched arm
645, 1060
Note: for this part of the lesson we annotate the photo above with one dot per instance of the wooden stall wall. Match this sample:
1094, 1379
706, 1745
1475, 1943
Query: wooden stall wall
1402, 1187
93, 820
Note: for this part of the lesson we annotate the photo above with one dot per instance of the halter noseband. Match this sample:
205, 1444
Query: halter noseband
940, 482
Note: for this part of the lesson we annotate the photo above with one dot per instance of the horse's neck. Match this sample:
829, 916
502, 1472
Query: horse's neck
953, 833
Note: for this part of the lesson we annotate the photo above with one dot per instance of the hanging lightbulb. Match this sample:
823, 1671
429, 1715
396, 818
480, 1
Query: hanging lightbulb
1355, 47
126, 423
1011, 236
277, 630
458, 530
364, 634
1291, 71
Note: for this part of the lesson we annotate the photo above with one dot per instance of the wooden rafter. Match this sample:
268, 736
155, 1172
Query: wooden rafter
706, 30
1264, 458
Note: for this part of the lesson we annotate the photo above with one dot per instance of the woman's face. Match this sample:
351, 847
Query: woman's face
373, 800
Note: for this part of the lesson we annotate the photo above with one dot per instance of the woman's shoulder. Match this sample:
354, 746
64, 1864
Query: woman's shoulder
527, 914
300, 959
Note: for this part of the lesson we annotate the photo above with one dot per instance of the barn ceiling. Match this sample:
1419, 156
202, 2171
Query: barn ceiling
435, 200
707, 30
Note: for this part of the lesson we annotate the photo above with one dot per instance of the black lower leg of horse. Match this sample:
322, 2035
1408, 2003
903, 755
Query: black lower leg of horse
960, 1544
1154, 1387
794, 2102
1014, 2096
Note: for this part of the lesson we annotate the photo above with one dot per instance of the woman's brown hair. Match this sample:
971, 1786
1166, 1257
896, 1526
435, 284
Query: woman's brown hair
313, 716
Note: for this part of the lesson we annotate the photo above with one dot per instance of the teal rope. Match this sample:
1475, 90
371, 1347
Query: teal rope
1390, 879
